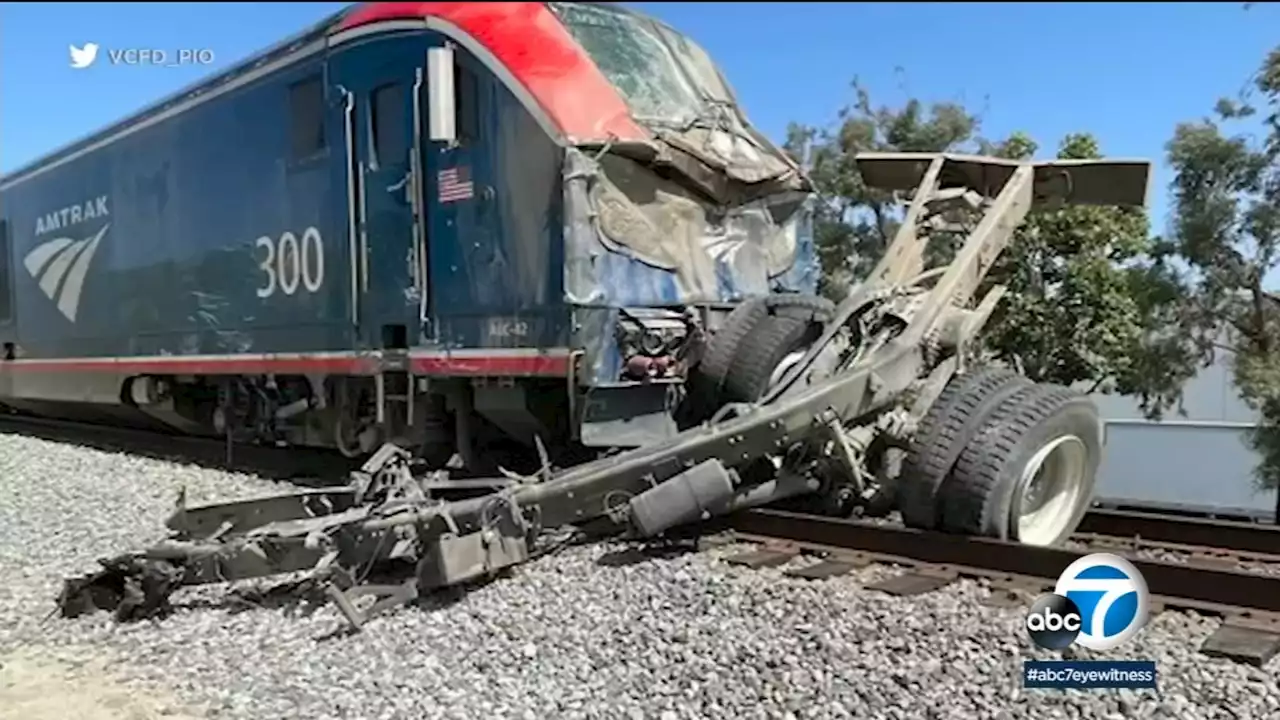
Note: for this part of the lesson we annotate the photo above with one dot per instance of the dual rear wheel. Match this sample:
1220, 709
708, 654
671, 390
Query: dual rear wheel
999, 456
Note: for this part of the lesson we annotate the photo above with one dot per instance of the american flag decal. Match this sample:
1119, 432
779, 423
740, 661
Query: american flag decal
455, 184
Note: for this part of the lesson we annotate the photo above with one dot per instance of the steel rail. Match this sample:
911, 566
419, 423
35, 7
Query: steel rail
1260, 538
1181, 585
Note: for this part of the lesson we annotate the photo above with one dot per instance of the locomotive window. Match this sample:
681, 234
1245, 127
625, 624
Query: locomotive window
390, 132
306, 110
467, 88
633, 57
6, 297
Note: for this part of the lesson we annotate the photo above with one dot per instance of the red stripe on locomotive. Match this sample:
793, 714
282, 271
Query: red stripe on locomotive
539, 52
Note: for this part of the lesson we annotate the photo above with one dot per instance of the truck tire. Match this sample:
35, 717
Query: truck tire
1029, 472
739, 334
943, 433
706, 379
802, 307
792, 323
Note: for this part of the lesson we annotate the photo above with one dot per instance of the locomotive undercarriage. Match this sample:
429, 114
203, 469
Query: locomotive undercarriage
867, 404
465, 424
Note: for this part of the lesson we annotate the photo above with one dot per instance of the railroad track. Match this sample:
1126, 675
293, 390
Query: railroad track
305, 467
1206, 578
1156, 530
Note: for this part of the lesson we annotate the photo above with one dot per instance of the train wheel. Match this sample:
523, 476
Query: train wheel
1029, 472
943, 433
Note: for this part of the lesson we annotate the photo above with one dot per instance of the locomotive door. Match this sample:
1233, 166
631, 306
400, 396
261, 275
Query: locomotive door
383, 80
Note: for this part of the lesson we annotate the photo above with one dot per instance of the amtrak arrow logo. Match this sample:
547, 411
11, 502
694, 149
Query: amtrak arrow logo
60, 266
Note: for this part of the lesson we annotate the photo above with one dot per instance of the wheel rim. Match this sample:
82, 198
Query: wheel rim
787, 363
1050, 490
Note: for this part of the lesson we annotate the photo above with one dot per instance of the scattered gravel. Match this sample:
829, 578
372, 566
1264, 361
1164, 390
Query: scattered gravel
582, 634
40, 683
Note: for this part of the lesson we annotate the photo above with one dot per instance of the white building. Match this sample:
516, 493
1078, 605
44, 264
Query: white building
1196, 462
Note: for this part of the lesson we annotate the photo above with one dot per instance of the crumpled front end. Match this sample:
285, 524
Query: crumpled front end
648, 259
706, 210
633, 237
664, 235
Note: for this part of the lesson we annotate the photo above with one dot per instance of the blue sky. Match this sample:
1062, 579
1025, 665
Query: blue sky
1127, 72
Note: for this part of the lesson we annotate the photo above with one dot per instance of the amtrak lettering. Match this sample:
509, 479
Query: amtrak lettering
60, 264
72, 215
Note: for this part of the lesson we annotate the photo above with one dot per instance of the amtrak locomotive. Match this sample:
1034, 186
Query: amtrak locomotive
450, 225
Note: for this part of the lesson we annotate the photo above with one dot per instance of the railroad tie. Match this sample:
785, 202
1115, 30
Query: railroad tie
765, 557
917, 581
833, 566
1015, 591
1252, 638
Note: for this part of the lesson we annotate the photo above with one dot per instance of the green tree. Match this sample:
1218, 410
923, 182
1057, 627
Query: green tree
1091, 293
1226, 231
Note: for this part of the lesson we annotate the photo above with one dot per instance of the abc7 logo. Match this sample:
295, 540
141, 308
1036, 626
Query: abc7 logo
1100, 602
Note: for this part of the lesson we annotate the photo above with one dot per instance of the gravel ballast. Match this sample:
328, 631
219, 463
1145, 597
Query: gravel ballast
580, 634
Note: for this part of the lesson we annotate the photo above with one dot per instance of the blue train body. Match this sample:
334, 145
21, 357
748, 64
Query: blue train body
400, 225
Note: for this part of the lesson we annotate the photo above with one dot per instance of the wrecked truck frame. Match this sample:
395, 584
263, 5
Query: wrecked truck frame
880, 363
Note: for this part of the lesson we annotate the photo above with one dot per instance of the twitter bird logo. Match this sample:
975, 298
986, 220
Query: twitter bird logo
83, 57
